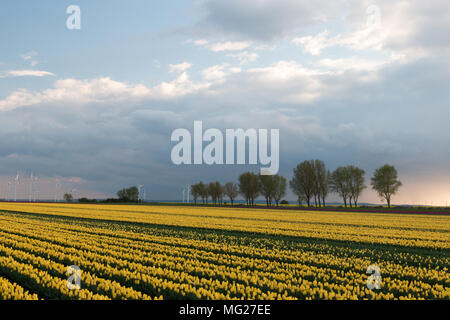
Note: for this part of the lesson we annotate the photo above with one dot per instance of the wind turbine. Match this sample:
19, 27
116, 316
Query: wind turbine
8, 191
183, 196
57, 185
73, 191
31, 187
187, 191
139, 191
35, 188
16, 181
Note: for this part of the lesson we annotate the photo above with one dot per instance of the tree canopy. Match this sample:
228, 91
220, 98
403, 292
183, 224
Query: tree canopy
385, 182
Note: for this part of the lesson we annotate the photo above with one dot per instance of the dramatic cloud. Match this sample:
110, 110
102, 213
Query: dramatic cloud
340, 85
266, 19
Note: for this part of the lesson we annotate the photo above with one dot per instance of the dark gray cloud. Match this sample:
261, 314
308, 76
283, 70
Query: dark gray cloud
111, 135
266, 20
392, 119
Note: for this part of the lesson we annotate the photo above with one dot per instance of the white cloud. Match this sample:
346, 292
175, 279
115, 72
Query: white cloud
367, 38
289, 82
201, 42
244, 57
219, 72
101, 90
229, 46
224, 46
179, 87
353, 63
29, 57
412, 29
313, 44
26, 73
180, 67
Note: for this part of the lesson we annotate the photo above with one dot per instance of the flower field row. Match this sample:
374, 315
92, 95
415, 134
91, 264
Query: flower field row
156, 252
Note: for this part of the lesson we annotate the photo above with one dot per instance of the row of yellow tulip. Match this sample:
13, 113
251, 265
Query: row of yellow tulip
125, 254
405, 229
12, 291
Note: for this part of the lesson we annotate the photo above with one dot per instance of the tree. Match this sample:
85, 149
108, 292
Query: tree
303, 182
133, 194
249, 187
356, 183
385, 182
231, 190
203, 191
196, 192
129, 195
340, 183
324, 187
215, 190
267, 187
320, 182
219, 192
86, 200
279, 188
212, 192
68, 197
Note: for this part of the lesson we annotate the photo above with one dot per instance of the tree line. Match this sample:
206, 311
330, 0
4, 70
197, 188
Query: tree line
250, 186
312, 183
130, 194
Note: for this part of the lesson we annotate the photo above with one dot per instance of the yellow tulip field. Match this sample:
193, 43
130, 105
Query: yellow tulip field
188, 252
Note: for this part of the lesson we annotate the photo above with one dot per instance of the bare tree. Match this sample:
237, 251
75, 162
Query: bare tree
68, 197
324, 187
267, 187
212, 192
231, 190
218, 192
279, 188
303, 182
203, 190
249, 187
320, 182
339, 183
196, 192
356, 183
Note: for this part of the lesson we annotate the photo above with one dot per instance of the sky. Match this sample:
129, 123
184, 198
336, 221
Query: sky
349, 82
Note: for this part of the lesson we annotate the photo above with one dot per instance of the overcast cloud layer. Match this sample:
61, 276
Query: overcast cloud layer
347, 82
